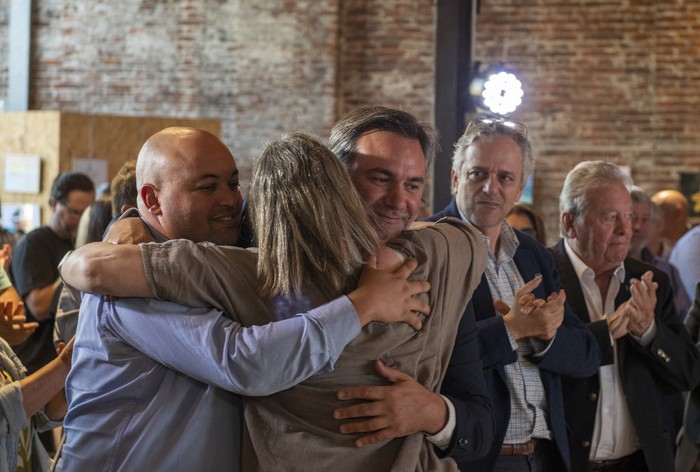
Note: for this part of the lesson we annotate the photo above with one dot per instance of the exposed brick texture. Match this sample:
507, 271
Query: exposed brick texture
603, 79
614, 80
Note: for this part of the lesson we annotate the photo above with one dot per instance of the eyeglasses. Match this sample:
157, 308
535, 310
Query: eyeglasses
497, 124
72, 210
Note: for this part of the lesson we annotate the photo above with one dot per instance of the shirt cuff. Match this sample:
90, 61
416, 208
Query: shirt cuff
648, 337
540, 347
341, 321
442, 438
511, 339
4, 279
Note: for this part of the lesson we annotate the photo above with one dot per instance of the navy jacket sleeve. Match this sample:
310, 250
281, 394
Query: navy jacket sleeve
465, 387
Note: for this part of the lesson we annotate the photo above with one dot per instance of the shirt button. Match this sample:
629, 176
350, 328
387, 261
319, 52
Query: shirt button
585, 444
462, 442
592, 396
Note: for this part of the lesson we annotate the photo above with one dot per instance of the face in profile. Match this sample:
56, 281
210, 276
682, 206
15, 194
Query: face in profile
388, 170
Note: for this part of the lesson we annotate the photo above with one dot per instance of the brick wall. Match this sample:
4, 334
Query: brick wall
603, 80
612, 80
262, 67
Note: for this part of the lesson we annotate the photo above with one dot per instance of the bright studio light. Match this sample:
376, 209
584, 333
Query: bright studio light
502, 93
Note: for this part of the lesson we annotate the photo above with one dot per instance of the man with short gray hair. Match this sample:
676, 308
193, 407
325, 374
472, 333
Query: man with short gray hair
527, 350
614, 416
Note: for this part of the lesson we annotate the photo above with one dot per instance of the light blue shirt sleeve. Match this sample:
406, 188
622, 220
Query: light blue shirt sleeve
4, 279
253, 361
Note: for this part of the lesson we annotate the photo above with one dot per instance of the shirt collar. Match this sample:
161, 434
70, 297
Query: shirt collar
509, 240
582, 269
134, 212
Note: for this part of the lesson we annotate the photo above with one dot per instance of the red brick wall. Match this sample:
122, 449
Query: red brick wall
603, 80
262, 67
387, 55
611, 80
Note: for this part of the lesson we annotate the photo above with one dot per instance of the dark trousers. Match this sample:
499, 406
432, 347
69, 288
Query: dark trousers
633, 463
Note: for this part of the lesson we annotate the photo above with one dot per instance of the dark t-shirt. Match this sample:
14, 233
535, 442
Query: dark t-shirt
35, 265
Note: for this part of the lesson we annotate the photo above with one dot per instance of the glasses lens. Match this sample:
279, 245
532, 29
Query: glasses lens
498, 124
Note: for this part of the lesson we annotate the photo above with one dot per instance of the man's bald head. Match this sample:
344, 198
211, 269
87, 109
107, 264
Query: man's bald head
188, 186
163, 152
674, 209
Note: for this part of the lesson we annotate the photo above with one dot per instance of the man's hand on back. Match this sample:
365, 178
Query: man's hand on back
392, 411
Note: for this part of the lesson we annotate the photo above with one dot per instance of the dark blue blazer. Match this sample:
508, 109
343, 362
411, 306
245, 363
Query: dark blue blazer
668, 365
573, 352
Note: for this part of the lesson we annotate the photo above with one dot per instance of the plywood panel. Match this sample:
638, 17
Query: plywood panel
59, 138
35, 133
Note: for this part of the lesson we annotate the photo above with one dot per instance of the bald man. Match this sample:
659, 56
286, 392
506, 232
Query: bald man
152, 391
674, 210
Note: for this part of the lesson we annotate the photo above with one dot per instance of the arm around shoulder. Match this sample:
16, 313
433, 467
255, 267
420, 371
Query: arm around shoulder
101, 268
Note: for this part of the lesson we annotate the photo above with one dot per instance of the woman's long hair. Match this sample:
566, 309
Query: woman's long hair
311, 224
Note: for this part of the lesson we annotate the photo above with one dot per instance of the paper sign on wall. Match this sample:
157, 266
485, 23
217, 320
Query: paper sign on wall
22, 173
96, 169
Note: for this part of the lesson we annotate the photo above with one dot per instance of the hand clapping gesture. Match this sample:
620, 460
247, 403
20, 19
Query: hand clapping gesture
13, 323
531, 316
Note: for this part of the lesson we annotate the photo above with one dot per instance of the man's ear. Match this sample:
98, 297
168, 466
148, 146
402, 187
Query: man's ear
567, 222
149, 195
52, 203
454, 178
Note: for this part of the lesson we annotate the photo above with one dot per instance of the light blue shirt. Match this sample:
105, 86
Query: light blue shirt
686, 257
149, 391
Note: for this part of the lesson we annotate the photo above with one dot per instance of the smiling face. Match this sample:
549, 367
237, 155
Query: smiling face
489, 182
601, 238
193, 189
388, 170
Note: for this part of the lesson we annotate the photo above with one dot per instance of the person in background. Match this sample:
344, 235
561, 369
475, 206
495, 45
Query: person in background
525, 354
66, 319
674, 210
615, 417
123, 189
688, 451
686, 257
122, 197
524, 218
643, 211
34, 271
28, 405
34, 267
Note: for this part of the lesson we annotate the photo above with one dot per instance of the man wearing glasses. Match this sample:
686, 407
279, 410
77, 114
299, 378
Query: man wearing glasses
34, 265
537, 338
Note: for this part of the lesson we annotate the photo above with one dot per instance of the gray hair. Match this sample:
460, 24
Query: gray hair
476, 131
639, 197
352, 126
585, 175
